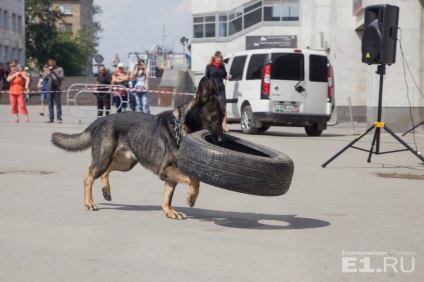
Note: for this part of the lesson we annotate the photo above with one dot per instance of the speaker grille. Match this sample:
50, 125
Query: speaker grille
371, 43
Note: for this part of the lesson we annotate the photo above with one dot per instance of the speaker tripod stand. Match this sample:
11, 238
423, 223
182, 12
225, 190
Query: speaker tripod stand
378, 125
409, 130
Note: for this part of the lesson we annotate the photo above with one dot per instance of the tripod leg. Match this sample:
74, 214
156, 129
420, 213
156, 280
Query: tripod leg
347, 147
403, 143
375, 139
409, 130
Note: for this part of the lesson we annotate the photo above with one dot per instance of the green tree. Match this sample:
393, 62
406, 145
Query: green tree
41, 30
43, 38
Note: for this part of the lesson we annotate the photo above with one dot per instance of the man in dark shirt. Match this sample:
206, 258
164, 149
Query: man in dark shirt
54, 75
103, 99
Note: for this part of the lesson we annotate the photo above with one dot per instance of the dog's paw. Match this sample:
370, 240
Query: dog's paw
91, 207
175, 215
191, 200
106, 194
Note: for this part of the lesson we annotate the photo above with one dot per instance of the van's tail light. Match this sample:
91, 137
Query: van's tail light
266, 79
330, 85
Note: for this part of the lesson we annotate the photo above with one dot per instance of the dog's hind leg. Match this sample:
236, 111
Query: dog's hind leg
167, 199
88, 190
193, 191
122, 161
106, 186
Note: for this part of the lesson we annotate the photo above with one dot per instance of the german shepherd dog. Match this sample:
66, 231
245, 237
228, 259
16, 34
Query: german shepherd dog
121, 140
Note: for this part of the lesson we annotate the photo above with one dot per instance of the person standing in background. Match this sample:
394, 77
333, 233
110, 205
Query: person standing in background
42, 86
2, 76
116, 61
19, 83
27, 95
103, 99
54, 76
141, 75
120, 96
216, 70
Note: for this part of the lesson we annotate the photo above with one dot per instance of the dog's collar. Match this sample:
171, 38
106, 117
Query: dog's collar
179, 122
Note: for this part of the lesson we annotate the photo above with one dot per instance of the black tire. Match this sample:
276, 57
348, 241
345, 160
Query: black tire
238, 165
263, 128
246, 121
313, 130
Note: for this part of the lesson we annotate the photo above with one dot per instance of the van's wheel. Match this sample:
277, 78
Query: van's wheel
312, 130
263, 128
246, 121
236, 164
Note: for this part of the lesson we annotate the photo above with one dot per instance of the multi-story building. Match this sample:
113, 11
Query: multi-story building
12, 31
78, 16
330, 25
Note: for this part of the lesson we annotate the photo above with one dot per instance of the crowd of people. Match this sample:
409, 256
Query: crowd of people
19, 79
129, 89
122, 88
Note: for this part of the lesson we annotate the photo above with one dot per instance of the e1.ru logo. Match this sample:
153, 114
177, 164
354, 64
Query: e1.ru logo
382, 262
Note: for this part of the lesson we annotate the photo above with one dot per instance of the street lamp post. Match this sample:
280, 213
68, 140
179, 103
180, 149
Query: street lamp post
184, 41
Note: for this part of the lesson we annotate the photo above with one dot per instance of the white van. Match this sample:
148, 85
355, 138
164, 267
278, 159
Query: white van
279, 87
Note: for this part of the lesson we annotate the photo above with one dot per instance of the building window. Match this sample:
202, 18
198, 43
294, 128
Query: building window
198, 27
65, 26
223, 26
21, 55
6, 53
14, 25
15, 54
290, 10
2, 59
281, 10
204, 26
66, 9
20, 25
243, 17
273, 13
1, 18
210, 26
252, 14
235, 23
5, 20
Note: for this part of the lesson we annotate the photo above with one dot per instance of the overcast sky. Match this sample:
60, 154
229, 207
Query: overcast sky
136, 25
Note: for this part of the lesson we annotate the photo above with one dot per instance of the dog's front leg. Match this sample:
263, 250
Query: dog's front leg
193, 191
167, 199
88, 194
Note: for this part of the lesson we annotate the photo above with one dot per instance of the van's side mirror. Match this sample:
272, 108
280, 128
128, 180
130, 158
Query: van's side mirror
299, 88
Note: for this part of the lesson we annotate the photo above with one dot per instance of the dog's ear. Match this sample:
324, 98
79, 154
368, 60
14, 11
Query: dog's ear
203, 90
214, 87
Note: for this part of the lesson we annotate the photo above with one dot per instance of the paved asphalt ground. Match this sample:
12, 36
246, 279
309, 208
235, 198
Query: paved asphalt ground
350, 216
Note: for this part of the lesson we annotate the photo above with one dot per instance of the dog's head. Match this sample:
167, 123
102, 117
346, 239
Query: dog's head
206, 111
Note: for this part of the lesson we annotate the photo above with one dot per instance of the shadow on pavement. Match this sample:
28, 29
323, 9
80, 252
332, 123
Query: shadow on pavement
241, 220
291, 134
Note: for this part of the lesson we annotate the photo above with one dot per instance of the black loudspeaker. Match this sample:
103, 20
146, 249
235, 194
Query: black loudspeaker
380, 34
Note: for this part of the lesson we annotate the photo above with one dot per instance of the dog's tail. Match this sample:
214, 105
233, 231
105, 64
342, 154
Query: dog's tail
72, 142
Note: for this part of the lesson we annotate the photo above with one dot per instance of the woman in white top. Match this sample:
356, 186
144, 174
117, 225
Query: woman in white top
141, 75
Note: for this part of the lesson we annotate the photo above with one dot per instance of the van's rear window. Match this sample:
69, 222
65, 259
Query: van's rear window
287, 66
318, 68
